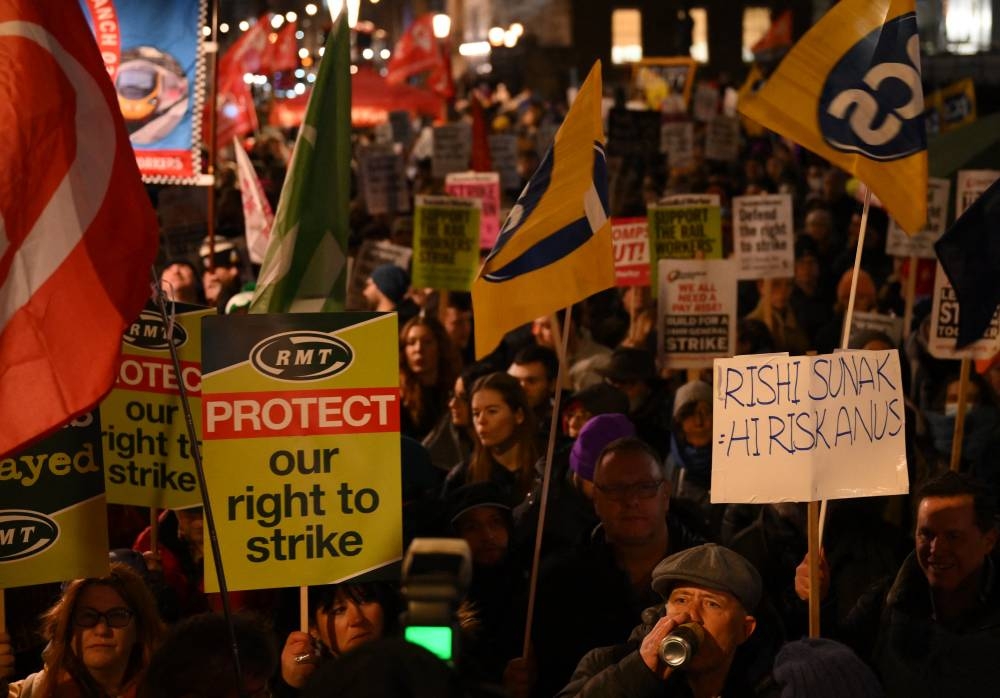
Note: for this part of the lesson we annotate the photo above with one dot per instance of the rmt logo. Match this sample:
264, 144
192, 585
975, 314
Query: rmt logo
301, 356
148, 332
872, 102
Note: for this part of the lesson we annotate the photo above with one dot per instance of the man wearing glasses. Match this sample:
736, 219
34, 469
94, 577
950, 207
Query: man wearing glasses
610, 577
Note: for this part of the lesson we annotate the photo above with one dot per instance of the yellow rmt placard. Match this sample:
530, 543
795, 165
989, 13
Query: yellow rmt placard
302, 452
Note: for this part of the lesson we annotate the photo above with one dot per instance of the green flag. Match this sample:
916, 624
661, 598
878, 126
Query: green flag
304, 269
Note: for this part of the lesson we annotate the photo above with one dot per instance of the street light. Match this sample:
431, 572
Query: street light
495, 36
353, 8
311, 9
441, 24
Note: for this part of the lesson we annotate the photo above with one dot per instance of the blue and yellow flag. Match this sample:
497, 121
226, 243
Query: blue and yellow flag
555, 247
850, 91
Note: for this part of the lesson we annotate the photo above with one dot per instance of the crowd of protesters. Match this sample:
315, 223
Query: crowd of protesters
633, 547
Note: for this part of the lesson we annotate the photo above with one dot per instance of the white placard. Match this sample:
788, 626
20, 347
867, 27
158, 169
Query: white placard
503, 152
706, 102
697, 304
452, 149
899, 244
807, 428
889, 325
969, 186
677, 141
764, 236
722, 139
383, 180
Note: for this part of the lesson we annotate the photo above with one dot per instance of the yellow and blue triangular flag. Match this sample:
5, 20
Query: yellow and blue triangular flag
555, 247
850, 91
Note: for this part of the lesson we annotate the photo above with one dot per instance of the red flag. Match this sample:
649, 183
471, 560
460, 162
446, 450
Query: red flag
248, 51
282, 50
418, 52
480, 160
776, 40
234, 108
77, 231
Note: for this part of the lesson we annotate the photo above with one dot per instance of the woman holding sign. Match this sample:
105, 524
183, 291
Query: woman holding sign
506, 450
101, 634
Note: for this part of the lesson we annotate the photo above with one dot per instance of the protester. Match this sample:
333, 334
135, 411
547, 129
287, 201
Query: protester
821, 668
179, 280
609, 576
707, 585
537, 369
935, 629
453, 438
633, 371
196, 660
427, 369
101, 635
506, 449
583, 354
689, 465
222, 277
342, 617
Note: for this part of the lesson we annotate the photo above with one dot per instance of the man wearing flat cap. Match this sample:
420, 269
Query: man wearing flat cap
709, 585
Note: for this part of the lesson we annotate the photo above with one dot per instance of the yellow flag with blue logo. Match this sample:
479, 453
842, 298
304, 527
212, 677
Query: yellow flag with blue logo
555, 247
850, 91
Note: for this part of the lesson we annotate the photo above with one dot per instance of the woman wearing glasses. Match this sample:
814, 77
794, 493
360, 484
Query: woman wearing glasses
101, 634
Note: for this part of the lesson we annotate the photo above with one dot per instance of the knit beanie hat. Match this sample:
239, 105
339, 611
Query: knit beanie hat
821, 668
597, 433
692, 392
392, 281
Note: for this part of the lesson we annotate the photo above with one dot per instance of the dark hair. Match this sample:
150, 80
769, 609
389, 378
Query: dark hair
953, 484
534, 353
385, 594
482, 463
629, 445
414, 399
196, 659
58, 628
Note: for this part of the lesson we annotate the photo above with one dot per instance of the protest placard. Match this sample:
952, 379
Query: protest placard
484, 186
899, 244
807, 428
146, 450
677, 141
383, 180
722, 139
373, 253
686, 226
631, 243
503, 152
970, 184
697, 305
632, 132
53, 515
452, 149
302, 449
446, 242
764, 236
666, 81
402, 127
863, 323
706, 102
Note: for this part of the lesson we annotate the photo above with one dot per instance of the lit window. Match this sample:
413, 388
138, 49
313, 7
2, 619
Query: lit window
626, 36
968, 25
756, 22
699, 34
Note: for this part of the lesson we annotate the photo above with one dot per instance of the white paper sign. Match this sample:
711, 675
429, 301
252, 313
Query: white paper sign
503, 152
764, 236
452, 149
722, 139
899, 244
889, 325
806, 428
373, 253
697, 304
677, 141
969, 186
706, 102
944, 325
384, 180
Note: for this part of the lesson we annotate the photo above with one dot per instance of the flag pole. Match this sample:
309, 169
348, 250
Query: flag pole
544, 501
813, 512
959, 433
168, 325
845, 337
212, 49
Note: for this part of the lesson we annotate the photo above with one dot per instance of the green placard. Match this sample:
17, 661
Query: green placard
684, 227
446, 242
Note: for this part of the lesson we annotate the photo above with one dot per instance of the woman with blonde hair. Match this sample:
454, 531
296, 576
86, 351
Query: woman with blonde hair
101, 634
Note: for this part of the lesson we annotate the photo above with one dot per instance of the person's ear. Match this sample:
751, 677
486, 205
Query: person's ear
519, 416
749, 625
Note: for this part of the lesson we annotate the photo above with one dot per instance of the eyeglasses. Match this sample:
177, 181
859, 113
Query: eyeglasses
115, 618
621, 493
